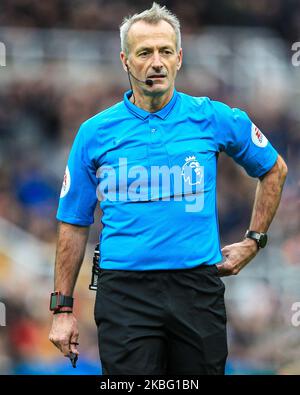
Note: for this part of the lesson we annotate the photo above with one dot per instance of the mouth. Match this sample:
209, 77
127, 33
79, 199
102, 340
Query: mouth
155, 76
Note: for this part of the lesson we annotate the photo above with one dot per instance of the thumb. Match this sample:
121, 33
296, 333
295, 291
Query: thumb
225, 250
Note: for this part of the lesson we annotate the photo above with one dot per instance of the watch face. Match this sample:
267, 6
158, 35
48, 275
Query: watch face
54, 300
263, 240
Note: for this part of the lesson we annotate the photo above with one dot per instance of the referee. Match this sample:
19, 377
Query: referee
151, 160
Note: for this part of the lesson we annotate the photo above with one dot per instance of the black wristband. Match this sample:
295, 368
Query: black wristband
61, 312
58, 300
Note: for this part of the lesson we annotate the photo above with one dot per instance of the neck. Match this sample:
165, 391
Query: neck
151, 103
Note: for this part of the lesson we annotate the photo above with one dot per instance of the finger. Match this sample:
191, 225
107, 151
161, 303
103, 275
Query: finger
65, 347
55, 343
74, 349
219, 267
224, 270
62, 347
221, 270
225, 250
74, 345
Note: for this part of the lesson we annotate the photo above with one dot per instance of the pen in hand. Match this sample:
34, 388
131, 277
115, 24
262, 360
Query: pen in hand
73, 358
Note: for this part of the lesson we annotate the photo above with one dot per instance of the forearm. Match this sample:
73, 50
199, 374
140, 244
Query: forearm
70, 251
267, 198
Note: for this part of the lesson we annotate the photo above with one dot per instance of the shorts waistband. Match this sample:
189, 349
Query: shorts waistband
200, 267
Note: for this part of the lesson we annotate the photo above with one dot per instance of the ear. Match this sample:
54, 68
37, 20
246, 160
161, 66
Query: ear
124, 61
179, 59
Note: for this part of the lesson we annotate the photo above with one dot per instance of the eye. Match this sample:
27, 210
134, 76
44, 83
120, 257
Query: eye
144, 53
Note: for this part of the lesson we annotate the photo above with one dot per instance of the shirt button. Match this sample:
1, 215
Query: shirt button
153, 130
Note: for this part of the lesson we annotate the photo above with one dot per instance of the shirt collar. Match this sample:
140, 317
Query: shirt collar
139, 112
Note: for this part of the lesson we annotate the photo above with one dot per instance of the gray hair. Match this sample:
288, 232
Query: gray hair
153, 15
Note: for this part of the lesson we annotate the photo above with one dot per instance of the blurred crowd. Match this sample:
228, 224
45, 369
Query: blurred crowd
38, 122
281, 15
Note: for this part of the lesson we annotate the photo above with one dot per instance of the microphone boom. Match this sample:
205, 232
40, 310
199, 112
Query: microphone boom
147, 82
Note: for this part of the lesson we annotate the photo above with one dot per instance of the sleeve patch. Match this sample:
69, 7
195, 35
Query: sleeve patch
66, 183
258, 137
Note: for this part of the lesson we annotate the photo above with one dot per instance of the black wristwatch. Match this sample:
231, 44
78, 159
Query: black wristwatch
57, 300
260, 238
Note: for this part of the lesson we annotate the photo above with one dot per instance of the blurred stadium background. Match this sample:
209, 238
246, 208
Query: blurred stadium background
62, 66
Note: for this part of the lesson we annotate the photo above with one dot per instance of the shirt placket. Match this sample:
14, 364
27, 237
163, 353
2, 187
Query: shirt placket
156, 149
157, 152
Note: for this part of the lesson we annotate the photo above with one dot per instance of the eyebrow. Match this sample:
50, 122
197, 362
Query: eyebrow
150, 48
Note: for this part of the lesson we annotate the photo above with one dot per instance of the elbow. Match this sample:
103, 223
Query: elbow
279, 170
282, 167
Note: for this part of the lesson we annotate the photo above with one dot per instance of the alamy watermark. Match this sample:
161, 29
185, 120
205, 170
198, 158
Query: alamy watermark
2, 314
296, 55
2, 54
295, 320
136, 183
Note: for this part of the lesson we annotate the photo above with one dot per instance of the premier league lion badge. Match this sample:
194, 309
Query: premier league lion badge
191, 171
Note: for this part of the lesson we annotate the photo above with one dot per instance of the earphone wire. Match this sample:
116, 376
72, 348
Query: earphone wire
130, 85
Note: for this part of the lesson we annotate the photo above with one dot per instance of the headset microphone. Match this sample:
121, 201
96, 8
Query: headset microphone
147, 81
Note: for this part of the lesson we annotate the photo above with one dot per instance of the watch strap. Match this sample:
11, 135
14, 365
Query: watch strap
260, 238
66, 301
58, 300
251, 234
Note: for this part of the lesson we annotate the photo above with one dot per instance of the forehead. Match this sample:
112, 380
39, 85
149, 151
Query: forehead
145, 34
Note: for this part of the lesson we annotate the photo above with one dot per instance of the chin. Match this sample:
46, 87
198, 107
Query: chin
159, 88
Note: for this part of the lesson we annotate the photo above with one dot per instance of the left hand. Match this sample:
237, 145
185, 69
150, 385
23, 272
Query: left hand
237, 256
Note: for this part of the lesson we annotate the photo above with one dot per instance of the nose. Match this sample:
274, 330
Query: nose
156, 62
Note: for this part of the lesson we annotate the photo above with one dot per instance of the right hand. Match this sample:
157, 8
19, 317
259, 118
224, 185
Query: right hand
64, 332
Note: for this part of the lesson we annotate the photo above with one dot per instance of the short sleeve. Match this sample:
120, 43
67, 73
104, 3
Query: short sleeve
78, 197
241, 139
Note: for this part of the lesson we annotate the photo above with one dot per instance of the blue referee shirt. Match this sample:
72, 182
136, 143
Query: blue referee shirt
155, 177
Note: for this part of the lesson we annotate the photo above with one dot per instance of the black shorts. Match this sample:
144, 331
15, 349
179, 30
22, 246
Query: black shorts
161, 322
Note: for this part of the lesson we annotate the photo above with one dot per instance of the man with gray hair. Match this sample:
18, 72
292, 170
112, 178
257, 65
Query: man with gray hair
160, 300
